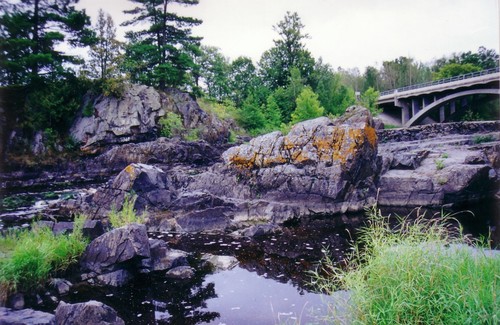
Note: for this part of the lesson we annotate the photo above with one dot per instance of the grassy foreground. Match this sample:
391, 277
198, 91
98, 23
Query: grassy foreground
419, 273
28, 258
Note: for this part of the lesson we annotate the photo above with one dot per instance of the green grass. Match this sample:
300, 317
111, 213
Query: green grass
30, 257
413, 276
126, 215
478, 139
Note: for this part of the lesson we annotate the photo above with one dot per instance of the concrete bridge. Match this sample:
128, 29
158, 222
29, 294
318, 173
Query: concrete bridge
438, 101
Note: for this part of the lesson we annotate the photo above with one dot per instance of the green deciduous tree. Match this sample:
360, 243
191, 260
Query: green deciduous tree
369, 100
308, 106
288, 52
334, 96
163, 53
105, 54
251, 117
214, 72
243, 80
455, 69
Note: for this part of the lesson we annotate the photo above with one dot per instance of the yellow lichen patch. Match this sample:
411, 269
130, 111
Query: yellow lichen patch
300, 158
371, 135
243, 162
130, 169
276, 160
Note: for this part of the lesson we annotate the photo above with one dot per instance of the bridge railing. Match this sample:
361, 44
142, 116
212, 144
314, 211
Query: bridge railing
441, 81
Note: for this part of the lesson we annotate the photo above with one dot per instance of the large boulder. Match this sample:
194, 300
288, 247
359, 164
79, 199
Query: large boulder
150, 184
118, 249
322, 166
91, 312
134, 117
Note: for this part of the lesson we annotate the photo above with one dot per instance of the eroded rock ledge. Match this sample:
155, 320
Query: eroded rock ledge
322, 167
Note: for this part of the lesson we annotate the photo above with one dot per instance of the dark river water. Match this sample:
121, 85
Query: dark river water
268, 281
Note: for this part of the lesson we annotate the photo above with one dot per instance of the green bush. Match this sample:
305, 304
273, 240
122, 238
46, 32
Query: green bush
308, 106
416, 273
171, 125
30, 257
126, 215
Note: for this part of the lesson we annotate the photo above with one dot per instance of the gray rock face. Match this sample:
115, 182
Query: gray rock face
149, 183
135, 116
164, 258
110, 251
436, 169
91, 312
25, 317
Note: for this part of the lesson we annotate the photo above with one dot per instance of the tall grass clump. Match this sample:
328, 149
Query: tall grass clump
126, 215
29, 258
416, 273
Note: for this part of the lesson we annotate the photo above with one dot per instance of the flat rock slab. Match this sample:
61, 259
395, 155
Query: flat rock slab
25, 316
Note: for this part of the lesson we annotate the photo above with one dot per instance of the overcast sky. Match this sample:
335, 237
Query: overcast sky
345, 33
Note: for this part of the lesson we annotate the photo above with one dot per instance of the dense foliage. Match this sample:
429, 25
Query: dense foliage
42, 86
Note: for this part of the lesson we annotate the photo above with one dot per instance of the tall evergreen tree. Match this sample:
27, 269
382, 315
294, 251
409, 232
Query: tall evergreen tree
29, 33
162, 53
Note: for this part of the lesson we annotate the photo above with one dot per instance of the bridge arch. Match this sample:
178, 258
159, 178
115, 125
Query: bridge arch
437, 104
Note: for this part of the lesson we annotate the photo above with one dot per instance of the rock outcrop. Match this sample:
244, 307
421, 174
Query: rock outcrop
134, 117
322, 166
423, 167
91, 312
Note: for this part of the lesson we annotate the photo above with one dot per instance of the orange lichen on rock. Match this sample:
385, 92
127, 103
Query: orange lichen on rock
371, 135
130, 169
243, 162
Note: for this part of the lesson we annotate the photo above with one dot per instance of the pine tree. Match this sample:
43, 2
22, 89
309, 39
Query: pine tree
162, 54
29, 33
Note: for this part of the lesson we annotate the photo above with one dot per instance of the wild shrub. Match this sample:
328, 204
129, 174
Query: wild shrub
416, 273
171, 125
29, 258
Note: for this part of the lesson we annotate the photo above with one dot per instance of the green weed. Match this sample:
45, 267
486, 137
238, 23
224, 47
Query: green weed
478, 139
29, 258
439, 164
126, 215
418, 273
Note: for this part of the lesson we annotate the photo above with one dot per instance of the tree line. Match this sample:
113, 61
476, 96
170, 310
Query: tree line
43, 85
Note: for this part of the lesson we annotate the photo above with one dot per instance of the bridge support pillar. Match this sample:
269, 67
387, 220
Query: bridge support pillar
415, 108
442, 114
452, 108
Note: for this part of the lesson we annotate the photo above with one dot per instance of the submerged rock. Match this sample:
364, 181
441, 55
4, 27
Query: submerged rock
91, 312
180, 272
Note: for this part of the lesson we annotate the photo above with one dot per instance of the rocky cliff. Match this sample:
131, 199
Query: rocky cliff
134, 117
